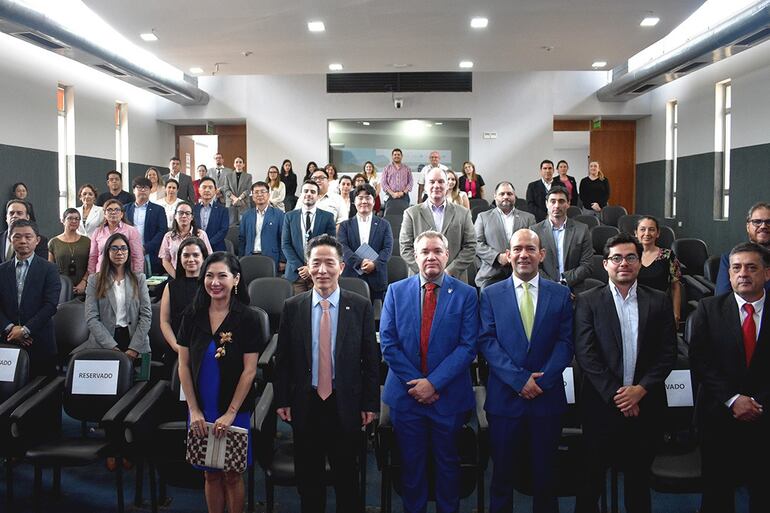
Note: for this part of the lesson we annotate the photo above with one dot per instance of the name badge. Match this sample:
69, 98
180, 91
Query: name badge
569, 385
9, 357
95, 377
679, 389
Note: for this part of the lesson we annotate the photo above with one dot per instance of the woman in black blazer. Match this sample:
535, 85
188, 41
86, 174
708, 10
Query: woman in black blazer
566, 181
218, 352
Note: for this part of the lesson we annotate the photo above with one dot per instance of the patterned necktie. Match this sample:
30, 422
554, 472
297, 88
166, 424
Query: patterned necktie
749, 329
527, 310
308, 226
324, 389
428, 310
20, 275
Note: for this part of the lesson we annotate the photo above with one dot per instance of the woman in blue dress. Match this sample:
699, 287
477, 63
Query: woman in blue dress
219, 345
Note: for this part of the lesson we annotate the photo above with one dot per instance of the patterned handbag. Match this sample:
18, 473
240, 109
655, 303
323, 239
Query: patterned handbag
229, 453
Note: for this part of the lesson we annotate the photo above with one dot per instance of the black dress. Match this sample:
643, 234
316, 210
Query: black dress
663, 271
290, 182
181, 292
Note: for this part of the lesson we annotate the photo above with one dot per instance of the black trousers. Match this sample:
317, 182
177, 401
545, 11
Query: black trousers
324, 438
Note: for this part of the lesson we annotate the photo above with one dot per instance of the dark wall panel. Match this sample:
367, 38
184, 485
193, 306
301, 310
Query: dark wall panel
650, 188
93, 170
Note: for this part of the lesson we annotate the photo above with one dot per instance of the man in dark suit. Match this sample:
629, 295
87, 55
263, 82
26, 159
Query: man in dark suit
625, 344
299, 226
150, 219
366, 228
730, 358
31, 289
15, 210
260, 230
537, 190
758, 230
567, 244
327, 378
428, 331
210, 216
186, 191
526, 336
114, 190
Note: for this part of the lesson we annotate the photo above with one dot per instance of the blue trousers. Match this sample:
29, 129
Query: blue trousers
420, 434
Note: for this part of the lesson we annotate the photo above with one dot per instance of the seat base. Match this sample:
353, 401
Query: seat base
68, 453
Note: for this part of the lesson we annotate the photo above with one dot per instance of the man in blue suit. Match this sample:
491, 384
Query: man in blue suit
428, 331
31, 287
299, 226
150, 219
210, 216
366, 228
526, 336
260, 230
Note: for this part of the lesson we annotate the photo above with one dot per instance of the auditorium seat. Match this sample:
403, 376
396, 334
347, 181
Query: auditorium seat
70, 329
574, 211
475, 211
230, 247
711, 268
692, 255
478, 202
611, 213
232, 236
627, 223
587, 219
256, 266
396, 208
66, 289
600, 235
269, 294
397, 269
598, 271
666, 237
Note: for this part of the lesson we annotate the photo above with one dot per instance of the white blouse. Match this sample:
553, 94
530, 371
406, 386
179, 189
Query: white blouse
121, 316
90, 224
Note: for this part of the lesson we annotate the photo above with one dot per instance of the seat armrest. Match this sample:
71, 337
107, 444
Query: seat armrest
39, 416
377, 307
383, 436
706, 283
20, 396
112, 422
695, 289
142, 420
262, 410
266, 361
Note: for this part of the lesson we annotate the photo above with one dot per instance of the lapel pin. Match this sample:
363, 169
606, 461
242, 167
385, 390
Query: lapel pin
449, 291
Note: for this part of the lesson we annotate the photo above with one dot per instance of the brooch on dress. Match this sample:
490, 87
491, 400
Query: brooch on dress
224, 338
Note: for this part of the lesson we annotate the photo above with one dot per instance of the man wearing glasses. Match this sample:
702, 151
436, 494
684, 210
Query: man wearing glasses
328, 200
758, 229
625, 343
261, 226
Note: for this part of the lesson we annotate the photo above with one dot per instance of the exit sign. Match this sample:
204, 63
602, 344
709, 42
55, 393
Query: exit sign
596, 124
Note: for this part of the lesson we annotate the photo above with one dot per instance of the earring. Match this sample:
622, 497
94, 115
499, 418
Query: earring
236, 289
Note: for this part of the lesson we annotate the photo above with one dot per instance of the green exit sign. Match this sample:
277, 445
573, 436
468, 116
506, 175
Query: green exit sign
596, 124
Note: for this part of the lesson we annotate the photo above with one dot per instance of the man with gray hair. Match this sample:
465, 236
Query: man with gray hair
434, 161
494, 229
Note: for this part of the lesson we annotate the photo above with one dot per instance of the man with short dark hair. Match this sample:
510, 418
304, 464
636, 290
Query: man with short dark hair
730, 358
150, 220
758, 230
219, 173
329, 200
625, 344
185, 191
567, 243
396, 179
327, 386
494, 229
260, 230
14, 211
210, 216
114, 190
537, 191
31, 288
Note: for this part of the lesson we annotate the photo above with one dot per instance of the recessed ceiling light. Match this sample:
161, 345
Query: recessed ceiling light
649, 21
335, 66
439, 123
599, 64
196, 70
479, 22
149, 36
466, 64
316, 26
365, 123
401, 65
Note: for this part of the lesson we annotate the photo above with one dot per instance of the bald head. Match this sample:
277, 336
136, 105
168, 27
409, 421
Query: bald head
525, 254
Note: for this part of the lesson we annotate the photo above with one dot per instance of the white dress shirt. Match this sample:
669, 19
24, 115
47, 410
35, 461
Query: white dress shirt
628, 314
758, 306
509, 221
534, 287
558, 239
364, 227
438, 214
121, 317
260, 219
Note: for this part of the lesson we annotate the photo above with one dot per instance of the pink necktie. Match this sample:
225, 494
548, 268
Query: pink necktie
325, 353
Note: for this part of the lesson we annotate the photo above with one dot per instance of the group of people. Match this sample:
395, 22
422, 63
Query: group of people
593, 194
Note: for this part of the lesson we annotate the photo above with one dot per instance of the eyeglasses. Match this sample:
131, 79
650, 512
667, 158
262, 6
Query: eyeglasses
119, 249
756, 223
618, 259
319, 178
113, 210
183, 214
68, 219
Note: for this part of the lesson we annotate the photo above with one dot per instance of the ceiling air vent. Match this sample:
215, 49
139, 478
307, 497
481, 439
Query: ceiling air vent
645, 87
755, 38
40, 40
690, 67
112, 70
417, 82
160, 90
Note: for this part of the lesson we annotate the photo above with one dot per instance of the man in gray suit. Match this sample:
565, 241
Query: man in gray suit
186, 191
494, 229
567, 244
219, 173
452, 220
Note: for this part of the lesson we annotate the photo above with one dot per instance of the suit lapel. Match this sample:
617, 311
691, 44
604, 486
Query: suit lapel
551, 255
355, 236
427, 216
611, 313
306, 319
516, 324
541, 312
374, 230
449, 213
733, 322
343, 319
445, 296
112, 300
569, 234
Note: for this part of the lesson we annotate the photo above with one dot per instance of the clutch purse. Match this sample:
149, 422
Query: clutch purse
229, 453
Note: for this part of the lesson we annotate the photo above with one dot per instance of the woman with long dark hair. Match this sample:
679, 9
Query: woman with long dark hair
566, 181
182, 228
309, 170
289, 179
218, 351
471, 183
660, 267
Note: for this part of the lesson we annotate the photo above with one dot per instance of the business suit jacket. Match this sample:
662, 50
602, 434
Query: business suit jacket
39, 299
723, 278
451, 346
536, 192
242, 189
270, 236
598, 349
186, 190
293, 238
219, 223
41, 249
513, 358
578, 251
491, 241
356, 360
100, 316
458, 229
380, 239
573, 200
155, 228
212, 172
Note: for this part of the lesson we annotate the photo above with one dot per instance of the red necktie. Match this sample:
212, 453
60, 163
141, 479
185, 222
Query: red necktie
749, 332
428, 309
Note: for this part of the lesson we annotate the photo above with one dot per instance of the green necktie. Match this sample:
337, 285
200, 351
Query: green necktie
527, 310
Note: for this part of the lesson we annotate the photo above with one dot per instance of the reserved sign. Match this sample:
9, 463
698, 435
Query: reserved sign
569, 385
9, 357
95, 377
679, 389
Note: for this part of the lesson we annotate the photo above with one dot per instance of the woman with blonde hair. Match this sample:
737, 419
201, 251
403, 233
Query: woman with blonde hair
471, 182
277, 187
594, 190
454, 194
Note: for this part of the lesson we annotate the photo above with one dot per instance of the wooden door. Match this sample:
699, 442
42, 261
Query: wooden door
614, 147
231, 142
187, 155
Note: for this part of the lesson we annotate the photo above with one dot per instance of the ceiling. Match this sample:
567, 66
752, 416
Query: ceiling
375, 35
